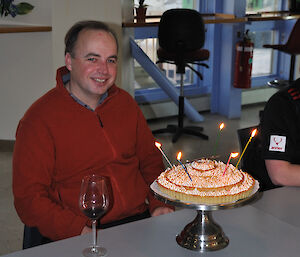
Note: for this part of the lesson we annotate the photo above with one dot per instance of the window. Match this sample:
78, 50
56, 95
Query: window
157, 7
267, 64
262, 57
254, 6
261, 34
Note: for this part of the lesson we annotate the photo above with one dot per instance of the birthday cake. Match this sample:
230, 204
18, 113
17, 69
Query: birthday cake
206, 181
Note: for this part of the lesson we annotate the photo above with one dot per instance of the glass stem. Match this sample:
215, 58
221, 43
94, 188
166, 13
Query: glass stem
94, 231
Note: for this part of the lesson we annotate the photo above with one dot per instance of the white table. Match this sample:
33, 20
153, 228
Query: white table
253, 230
282, 203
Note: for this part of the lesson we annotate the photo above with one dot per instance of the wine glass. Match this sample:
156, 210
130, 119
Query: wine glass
94, 202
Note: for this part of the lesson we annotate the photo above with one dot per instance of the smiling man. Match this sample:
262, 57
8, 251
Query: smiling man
86, 124
92, 65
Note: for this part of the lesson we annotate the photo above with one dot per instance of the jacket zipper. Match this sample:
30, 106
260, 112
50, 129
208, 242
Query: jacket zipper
100, 121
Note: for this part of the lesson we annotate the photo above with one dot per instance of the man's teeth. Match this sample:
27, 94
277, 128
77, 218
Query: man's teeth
100, 80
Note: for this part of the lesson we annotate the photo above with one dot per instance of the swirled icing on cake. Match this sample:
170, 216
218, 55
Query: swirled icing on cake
203, 165
208, 180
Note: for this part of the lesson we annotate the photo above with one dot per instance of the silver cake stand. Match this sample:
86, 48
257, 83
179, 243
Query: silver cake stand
203, 233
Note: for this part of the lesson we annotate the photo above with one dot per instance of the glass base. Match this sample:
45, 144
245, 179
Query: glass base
94, 251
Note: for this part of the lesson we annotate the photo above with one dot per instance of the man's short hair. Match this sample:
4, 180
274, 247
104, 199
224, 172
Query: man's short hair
72, 34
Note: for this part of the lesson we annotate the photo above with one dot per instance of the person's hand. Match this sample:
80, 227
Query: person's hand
160, 211
86, 230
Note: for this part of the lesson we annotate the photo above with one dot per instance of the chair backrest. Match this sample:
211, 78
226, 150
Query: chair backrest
293, 43
181, 30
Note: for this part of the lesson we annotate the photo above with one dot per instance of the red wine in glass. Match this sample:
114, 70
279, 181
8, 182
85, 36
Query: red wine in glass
94, 213
94, 202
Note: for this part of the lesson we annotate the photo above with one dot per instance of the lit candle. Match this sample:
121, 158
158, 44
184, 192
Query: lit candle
252, 135
222, 125
232, 155
178, 159
158, 145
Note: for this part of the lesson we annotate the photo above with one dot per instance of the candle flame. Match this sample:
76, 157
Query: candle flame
179, 156
233, 155
222, 125
158, 145
178, 159
253, 133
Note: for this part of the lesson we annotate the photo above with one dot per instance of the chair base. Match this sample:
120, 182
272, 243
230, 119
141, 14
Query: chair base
178, 131
278, 84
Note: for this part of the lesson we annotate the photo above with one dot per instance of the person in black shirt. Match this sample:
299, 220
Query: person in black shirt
280, 133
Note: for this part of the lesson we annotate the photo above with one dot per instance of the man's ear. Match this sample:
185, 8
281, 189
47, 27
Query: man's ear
68, 61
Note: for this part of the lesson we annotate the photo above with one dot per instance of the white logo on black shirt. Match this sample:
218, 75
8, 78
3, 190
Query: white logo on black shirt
277, 143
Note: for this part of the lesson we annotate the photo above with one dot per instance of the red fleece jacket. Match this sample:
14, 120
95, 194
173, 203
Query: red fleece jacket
58, 141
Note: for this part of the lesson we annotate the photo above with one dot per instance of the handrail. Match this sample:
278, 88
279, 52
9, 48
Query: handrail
162, 81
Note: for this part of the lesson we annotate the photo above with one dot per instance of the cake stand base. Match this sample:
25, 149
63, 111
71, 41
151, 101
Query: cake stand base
202, 234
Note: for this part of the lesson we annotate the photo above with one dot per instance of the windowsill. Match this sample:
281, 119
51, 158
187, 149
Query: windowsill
209, 18
214, 18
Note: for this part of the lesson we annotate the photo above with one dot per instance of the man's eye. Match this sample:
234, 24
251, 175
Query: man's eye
112, 61
92, 59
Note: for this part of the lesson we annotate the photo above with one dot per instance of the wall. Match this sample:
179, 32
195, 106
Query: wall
25, 66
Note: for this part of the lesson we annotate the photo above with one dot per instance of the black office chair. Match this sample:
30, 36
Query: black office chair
181, 36
252, 161
32, 237
291, 47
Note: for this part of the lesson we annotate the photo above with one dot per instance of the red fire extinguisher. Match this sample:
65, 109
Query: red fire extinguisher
243, 62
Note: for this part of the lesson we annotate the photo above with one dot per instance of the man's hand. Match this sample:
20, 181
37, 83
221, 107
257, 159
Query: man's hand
86, 230
161, 210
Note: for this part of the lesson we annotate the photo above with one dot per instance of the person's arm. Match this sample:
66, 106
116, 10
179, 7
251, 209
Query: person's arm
33, 171
283, 173
151, 164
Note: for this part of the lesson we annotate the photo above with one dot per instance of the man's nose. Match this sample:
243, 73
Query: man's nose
102, 67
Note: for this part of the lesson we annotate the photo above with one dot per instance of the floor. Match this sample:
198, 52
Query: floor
220, 144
